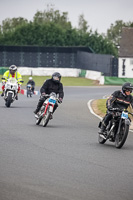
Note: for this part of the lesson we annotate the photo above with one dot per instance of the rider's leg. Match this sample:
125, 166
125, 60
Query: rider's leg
41, 100
105, 122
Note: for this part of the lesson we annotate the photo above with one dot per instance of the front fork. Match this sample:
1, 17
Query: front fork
127, 123
6, 94
119, 127
50, 109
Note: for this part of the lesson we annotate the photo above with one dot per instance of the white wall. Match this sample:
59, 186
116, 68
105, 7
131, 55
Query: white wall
128, 68
40, 71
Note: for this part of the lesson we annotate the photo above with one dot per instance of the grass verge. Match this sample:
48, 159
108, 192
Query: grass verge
99, 107
67, 81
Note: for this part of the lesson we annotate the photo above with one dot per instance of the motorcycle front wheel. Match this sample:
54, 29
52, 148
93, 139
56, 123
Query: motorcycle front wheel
122, 135
46, 118
8, 100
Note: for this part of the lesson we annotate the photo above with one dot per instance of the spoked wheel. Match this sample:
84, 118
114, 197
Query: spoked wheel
9, 100
46, 118
122, 135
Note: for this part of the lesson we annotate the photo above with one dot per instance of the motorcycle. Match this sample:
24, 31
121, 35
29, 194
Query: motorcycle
29, 90
117, 129
10, 91
47, 108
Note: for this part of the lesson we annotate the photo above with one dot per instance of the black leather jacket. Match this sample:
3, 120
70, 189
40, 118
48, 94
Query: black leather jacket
51, 86
119, 100
31, 82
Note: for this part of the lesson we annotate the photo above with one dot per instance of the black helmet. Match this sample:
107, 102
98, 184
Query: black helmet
56, 77
127, 86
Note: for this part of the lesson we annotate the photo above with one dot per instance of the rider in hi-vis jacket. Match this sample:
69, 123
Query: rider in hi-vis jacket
12, 72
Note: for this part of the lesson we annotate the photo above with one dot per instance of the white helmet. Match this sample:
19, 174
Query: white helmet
30, 78
13, 68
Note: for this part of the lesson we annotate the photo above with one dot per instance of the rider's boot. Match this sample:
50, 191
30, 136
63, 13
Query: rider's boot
2, 94
51, 116
37, 110
39, 105
102, 129
16, 97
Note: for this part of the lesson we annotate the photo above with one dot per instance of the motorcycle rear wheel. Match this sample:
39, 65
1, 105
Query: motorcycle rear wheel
9, 100
38, 121
122, 135
29, 93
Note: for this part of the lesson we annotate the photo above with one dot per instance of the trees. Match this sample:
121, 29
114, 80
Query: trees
52, 28
9, 25
82, 24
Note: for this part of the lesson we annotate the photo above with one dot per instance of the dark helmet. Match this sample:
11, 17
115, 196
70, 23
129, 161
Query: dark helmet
56, 77
127, 86
12, 69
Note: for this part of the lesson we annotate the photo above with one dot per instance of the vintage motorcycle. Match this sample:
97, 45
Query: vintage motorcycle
29, 90
117, 129
10, 91
46, 110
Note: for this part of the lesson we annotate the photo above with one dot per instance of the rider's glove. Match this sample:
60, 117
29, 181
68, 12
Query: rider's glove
43, 94
60, 100
3, 87
110, 107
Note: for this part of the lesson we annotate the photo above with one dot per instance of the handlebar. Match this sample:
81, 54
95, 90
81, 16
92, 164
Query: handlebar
48, 95
7, 79
115, 109
120, 110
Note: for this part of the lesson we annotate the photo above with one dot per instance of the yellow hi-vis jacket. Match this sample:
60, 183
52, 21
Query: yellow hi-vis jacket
7, 75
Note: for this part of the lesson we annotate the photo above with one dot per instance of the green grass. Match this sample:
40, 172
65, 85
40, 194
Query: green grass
67, 81
101, 105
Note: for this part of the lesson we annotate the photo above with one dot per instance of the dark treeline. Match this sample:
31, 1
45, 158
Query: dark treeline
52, 28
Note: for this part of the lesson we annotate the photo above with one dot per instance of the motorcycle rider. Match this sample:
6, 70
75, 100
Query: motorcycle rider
51, 85
11, 73
119, 99
32, 83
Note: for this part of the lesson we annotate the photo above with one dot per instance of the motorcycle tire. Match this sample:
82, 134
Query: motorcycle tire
122, 135
9, 100
46, 118
28, 93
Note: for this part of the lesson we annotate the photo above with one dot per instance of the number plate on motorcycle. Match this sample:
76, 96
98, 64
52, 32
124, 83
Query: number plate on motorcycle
52, 101
124, 115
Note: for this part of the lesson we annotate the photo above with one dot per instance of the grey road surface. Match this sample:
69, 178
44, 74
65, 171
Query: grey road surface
64, 160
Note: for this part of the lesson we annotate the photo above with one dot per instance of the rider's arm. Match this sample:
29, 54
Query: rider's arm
132, 102
61, 93
19, 78
44, 87
5, 76
33, 82
111, 100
